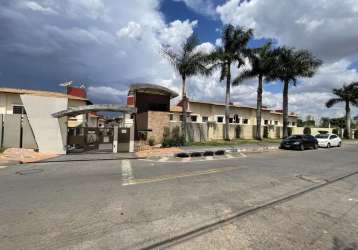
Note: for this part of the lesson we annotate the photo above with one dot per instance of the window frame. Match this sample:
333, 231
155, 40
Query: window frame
23, 111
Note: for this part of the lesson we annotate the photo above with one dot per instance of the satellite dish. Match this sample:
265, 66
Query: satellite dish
82, 86
66, 84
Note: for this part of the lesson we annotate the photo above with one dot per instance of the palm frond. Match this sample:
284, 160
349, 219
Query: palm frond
247, 74
333, 102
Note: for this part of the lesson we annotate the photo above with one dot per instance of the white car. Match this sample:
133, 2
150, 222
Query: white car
328, 140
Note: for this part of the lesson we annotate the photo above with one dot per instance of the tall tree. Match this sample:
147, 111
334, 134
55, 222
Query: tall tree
262, 64
188, 62
348, 94
233, 51
290, 65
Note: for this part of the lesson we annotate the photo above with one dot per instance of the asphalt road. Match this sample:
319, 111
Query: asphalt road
276, 200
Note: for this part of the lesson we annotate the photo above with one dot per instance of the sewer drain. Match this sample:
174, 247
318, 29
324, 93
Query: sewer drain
29, 171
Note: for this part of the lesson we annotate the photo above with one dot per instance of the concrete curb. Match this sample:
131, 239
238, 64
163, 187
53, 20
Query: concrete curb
233, 150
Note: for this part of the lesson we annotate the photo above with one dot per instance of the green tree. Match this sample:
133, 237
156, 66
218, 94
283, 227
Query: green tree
290, 65
324, 122
262, 64
310, 121
348, 95
188, 62
233, 51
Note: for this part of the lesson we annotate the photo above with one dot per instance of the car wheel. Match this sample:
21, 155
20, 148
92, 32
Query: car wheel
315, 146
328, 145
302, 148
339, 144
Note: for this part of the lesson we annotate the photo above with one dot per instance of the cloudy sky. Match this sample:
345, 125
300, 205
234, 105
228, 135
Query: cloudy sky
109, 44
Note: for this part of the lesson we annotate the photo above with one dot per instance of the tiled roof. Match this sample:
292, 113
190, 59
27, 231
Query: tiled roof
40, 93
237, 106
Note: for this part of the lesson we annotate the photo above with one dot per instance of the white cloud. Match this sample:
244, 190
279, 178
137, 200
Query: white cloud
205, 7
176, 33
132, 30
328, 28
205, 48
37, 7
106, 93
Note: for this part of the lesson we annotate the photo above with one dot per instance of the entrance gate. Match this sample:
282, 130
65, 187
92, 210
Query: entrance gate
97, 140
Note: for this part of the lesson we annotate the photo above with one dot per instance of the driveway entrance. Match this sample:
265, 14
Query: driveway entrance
114, 138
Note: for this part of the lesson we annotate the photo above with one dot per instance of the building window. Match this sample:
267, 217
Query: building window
245, 121
171, 117
266, 122
194, 118
231, 120
220, 119
17, 109
205, 119
181, 118
293, 124
276, 122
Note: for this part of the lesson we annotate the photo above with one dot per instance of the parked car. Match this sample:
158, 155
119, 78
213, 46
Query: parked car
300, 142
328, 140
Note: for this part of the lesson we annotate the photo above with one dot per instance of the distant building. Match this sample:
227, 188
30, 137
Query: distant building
206, 120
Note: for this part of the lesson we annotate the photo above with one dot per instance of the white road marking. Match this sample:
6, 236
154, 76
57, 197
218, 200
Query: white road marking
2, 167
228, 156
243, 155
209, 158
186, 159
164, 159
127, 173
182, 175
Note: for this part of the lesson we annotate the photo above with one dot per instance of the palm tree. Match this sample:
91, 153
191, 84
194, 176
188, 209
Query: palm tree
291, 64
348, 94
187, 63
233, 50
262, 64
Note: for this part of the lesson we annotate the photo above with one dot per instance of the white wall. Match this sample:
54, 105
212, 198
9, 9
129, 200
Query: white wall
50, 133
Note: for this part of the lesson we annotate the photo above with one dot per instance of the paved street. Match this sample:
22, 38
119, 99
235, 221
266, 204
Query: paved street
272, 200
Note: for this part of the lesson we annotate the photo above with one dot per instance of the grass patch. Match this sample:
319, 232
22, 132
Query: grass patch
233, 142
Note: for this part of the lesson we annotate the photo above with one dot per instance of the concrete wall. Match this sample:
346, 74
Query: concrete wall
11, 136
28, 138
7, 101
50, 133
314, 131
12, 128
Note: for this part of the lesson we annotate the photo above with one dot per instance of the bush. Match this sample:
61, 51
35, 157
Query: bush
335, 131
173, 139
151, 141
307, 131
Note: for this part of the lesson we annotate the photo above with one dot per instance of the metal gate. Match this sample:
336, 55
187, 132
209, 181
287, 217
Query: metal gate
97, 140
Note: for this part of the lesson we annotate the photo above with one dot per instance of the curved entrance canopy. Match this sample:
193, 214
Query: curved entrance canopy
95, 108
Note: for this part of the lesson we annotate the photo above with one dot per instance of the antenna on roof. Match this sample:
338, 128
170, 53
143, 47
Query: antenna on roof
66, 84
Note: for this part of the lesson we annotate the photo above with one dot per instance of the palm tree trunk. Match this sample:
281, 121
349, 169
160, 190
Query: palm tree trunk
259, 109
348, 119
184, 110
285, 108
227, 102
